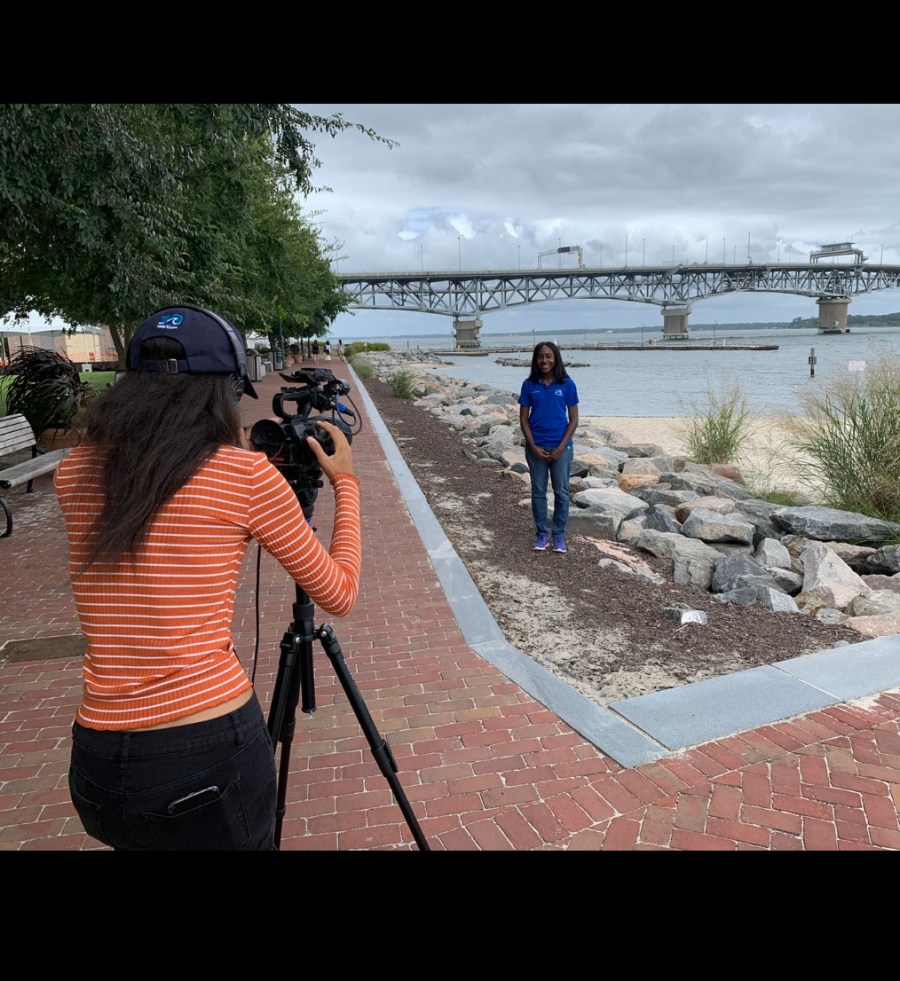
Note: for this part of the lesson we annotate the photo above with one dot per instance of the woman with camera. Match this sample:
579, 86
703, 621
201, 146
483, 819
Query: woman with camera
170, 747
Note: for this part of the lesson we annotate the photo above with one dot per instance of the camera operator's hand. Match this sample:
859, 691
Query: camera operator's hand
341, 461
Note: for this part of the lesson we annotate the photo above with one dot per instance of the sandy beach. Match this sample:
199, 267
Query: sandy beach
765, 460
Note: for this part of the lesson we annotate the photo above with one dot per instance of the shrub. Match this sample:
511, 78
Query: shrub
47, 389
849, 436
362, 367
718, 427
403, 384
360, 347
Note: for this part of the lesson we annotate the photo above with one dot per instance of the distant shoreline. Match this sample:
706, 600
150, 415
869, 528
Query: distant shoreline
581, 332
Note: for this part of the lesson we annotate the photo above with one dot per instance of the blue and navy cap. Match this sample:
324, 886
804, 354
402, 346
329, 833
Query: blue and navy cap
212, 345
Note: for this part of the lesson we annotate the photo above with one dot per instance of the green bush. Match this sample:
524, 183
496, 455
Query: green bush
362, 367
718, 427
403, 384
47, 389
361, 347
849, 436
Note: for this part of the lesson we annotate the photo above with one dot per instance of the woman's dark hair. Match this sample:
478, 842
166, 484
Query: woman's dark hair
559, 369
154, 431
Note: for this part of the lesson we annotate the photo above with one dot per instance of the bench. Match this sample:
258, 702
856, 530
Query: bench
16, 434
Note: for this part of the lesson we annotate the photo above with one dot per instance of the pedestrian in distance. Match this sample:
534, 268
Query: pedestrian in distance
328, 350
341, 349
548, 415
315, 351
170, 748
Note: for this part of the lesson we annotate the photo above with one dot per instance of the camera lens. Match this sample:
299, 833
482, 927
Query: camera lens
267, 436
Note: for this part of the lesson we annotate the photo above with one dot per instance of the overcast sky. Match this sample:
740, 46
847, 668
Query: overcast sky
490, 186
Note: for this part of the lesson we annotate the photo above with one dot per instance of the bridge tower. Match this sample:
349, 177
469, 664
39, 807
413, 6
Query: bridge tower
675, 322
466, 334
833, 314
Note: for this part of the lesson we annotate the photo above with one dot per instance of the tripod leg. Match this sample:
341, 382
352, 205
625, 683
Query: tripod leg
380, 749
295, 674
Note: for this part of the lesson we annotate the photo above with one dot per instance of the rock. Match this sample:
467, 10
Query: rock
828, 524
823, 570
684, 614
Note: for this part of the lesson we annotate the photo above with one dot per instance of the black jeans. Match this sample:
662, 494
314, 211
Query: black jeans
209, 786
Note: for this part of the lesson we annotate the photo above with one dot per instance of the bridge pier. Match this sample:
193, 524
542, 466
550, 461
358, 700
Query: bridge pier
466, 334
833, 314
675, 323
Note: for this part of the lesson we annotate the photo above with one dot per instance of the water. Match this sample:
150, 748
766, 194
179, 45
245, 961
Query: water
656, 382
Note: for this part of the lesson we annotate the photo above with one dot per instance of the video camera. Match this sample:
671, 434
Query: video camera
284, 443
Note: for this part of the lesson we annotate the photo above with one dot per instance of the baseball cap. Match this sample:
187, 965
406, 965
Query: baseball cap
212, 345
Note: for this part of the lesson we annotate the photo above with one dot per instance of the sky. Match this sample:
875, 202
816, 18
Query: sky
492, 186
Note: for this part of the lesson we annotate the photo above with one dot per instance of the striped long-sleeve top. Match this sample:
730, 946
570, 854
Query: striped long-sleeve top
159, 627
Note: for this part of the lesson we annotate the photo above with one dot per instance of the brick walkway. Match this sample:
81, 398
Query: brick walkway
483, 764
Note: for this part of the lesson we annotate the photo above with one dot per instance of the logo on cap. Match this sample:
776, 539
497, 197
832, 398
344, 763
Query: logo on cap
171, 320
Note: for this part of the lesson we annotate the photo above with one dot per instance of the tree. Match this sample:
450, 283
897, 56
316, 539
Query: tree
108, 211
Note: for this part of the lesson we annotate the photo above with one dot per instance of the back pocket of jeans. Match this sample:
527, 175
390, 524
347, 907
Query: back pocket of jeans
213, 825
88, 812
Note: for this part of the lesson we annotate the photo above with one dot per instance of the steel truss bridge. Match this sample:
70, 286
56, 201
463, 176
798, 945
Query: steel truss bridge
473, 293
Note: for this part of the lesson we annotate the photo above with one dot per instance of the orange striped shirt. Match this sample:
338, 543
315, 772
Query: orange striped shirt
159, 628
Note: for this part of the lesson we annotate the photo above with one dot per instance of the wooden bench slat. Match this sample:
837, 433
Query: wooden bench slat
21, 473
16, 434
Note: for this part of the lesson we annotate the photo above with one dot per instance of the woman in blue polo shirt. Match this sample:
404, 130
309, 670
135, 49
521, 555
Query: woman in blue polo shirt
548, 415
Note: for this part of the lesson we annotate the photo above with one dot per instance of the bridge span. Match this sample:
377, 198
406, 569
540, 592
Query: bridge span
467, 295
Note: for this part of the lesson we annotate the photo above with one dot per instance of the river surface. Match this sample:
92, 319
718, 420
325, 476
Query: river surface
653, 381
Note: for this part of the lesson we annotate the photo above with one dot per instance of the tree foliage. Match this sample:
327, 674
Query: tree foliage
108, 211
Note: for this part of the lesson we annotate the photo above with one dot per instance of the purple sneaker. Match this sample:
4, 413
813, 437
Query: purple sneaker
559, 543
540, 543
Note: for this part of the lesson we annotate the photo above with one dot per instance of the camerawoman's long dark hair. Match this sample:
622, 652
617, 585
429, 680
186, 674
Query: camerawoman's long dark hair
153, 431
559, 369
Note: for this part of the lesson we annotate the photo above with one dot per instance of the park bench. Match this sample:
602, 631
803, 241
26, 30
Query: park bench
16, 434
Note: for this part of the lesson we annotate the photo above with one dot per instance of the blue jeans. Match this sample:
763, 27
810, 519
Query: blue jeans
206, 786
558, 474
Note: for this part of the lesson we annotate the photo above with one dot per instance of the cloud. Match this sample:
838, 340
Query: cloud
494, 185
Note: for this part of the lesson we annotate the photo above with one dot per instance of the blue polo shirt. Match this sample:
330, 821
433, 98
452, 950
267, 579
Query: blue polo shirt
549, 409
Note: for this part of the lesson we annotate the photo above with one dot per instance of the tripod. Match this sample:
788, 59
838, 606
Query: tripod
295, 677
